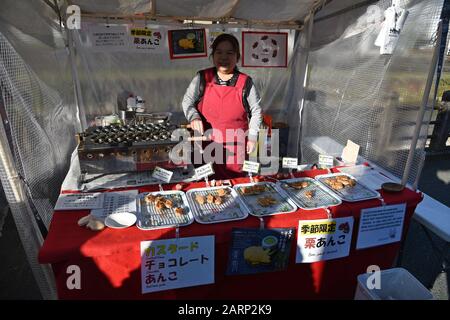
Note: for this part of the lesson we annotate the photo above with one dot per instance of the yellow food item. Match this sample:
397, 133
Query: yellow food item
186, 43
257, 255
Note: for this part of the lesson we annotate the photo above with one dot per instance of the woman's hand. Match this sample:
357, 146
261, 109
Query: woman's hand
197, 125
251, 146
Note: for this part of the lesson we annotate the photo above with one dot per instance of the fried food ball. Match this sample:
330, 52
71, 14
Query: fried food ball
168, 203
159, 205
149, 198
179, 211
221, 192
200, 199
218, 200
309, 194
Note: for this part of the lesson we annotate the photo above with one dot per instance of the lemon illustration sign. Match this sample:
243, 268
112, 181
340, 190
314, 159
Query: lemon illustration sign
259, 250
187, 43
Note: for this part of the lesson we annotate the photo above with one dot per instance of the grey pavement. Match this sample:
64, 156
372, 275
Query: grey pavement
423, 253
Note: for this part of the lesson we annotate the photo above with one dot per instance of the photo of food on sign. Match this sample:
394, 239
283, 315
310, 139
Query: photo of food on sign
259, 250
187, 43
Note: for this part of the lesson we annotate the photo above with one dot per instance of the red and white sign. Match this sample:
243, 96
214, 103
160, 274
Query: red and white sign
264, 49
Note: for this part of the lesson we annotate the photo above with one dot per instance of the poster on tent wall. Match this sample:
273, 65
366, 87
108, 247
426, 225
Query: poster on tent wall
147, 39
187, 43
264, 49
108, 38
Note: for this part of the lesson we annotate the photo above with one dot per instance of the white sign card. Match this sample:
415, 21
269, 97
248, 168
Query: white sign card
147, 39
204, 171
325, 160
251, 166
380, 225
162, 174
176, 263
350, 152
323, 239
291, 163
109, 38
80, 201
117, 202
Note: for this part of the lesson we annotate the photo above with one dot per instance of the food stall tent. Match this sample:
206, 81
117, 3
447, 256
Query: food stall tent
336, 85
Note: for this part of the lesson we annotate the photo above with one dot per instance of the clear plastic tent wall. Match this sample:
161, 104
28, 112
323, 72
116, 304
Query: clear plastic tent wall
39, 120
355, 93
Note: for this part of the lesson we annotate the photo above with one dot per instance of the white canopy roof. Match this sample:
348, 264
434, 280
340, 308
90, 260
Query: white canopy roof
280, 11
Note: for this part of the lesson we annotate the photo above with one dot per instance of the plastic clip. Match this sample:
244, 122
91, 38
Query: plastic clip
261, 223
177, 231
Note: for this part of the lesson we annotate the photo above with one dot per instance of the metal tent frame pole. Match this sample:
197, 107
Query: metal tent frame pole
301, 103
423, 107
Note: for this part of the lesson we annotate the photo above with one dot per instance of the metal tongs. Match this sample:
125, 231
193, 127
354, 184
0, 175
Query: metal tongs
196, 139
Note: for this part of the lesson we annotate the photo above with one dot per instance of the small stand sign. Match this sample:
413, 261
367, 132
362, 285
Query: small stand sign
325, 161
204, 172
162, 174
290, 163
251, 167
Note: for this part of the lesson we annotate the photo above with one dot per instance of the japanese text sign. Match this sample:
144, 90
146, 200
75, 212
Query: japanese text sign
325, 160
176, 263
109, 38
323, 239
381, 225
204, 171
291, 163
147, 40
162, 174
251, 166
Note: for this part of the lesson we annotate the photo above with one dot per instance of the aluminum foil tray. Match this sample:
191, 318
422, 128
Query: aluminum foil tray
322, 197
230, 209
358, 192
276, 201
150, 218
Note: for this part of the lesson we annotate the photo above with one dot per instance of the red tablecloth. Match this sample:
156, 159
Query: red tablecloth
109, 260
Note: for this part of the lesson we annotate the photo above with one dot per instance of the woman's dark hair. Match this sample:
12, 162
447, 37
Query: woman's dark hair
231, 39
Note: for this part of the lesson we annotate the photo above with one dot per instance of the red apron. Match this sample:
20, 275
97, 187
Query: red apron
222, 109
